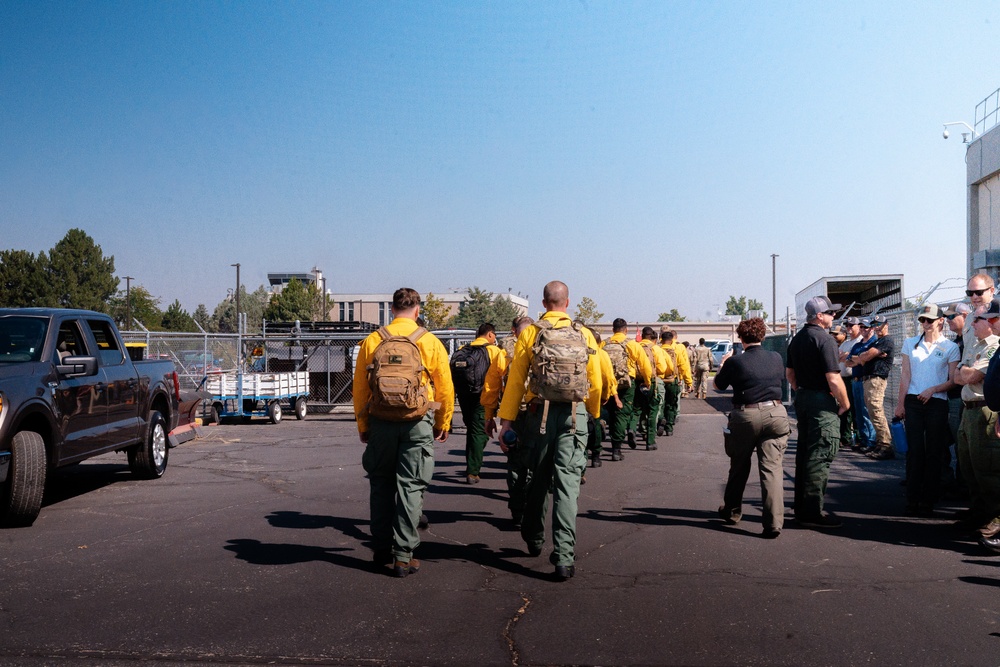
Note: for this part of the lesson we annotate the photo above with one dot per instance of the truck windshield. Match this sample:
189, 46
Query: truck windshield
22, 338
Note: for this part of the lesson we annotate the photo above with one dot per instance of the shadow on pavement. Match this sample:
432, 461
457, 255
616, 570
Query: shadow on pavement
83, 478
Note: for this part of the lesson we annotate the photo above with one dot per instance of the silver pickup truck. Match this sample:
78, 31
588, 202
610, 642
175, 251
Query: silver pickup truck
69, 391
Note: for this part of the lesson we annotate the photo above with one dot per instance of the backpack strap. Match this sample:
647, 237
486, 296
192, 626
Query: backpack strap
416, 335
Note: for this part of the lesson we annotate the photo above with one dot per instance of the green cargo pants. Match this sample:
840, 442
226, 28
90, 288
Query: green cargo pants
618, 418
518, 470
648, 409
671, 402
399, 460
818, 443
557, 460
474, 418
979, 460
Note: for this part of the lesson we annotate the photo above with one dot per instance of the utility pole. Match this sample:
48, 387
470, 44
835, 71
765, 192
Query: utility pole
128, 302
774, 295
237, 265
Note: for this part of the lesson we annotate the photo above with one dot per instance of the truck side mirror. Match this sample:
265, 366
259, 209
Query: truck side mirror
77, 366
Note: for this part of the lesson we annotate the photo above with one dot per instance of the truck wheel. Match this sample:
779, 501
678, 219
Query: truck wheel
300, 408
149, 460
21, 495
274, 412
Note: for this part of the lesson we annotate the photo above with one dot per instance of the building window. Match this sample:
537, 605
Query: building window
381, 312
343, 311
346, 312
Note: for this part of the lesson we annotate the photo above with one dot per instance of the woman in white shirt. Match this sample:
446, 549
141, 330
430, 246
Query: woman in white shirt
929, 361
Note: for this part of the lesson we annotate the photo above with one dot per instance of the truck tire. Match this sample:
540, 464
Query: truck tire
21, 495
149, 460
274, 412
300, 408
216, 409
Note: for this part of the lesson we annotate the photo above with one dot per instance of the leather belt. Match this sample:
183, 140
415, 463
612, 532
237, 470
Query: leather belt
755, 406
974, 404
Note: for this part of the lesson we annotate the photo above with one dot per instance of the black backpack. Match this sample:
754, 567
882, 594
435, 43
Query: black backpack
468, 368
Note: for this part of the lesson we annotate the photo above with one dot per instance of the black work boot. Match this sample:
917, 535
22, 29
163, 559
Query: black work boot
616, 451
595, 460
630, 437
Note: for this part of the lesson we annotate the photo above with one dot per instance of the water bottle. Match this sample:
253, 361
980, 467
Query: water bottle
510, 439
898, 430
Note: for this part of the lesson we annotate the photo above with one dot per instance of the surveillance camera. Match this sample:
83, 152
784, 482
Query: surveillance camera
945, 133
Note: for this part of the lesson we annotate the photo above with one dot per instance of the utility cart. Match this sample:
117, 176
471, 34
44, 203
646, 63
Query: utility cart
247, 395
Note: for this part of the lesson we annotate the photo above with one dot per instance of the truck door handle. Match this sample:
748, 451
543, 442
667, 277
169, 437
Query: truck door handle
99, 387
132, 383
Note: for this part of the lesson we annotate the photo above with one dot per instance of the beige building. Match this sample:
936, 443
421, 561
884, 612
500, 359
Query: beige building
375, 308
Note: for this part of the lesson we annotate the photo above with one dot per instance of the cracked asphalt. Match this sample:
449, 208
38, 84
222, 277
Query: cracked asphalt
251, 550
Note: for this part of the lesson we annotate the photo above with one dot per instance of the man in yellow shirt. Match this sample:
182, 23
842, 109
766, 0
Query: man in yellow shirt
469, 366
638, 368
554, 431
518, 472
673, 385
399, 436
609, 392
648, 402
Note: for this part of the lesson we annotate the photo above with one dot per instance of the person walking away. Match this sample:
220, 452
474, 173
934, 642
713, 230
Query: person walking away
649, 403
558, 360
674, 385
469, 365
518, 472
813, 372
929, 362
758, 423
631, 365
702, 367
403, 403
609, 393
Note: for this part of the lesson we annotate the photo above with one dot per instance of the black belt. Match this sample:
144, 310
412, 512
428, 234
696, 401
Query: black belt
974, 404
757, 406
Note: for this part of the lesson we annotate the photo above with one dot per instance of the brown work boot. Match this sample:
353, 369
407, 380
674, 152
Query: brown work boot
990, 529
404, 568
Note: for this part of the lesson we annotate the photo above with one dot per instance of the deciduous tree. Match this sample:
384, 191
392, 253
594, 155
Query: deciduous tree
672, 316
586, 311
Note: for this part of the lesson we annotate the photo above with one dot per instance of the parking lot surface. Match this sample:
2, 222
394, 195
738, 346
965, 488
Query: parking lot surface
251, 550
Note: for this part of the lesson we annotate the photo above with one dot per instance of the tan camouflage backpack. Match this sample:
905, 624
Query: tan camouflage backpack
559, 364
619, 362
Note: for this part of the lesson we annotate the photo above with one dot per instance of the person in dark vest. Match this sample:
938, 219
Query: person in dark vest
469, 366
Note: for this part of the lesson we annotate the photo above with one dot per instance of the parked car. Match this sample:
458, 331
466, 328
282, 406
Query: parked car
719, 350
69, 391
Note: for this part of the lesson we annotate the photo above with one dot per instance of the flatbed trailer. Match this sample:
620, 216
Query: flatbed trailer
246, 395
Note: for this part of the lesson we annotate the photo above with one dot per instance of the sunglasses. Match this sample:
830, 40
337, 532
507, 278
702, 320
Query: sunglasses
991, 319
976, 292
951, 317
925, 320
830, 312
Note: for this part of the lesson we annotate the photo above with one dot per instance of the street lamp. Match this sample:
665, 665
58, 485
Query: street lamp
774, 295
128, 301
237, 265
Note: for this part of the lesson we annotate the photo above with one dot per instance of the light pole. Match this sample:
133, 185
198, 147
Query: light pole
128, 302
774, 295
326, 314
237, 265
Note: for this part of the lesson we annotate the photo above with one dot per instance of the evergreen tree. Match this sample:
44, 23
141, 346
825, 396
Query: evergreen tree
144, 307
201, 317
292, 303
83, 277
177, 319
23, 280
481, 307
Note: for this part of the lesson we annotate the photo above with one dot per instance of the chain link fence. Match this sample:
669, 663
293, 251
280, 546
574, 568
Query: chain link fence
329, 358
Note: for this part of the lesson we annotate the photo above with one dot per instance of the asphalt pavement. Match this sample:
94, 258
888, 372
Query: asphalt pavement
252, 550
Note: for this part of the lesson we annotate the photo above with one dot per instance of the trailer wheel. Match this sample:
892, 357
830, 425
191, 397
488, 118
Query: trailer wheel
149, 460
216, 409
21, 495
274, 412
300, 408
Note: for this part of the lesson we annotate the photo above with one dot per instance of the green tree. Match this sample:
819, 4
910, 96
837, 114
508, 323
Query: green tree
224, 317
434, 312
83, 277
672, 316
740, 306
202, 317
292, 303
481, 307
23, 280
177, 319
253, 305
586, 311
144, 307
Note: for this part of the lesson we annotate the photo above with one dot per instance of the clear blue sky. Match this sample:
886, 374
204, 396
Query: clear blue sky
650, 154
